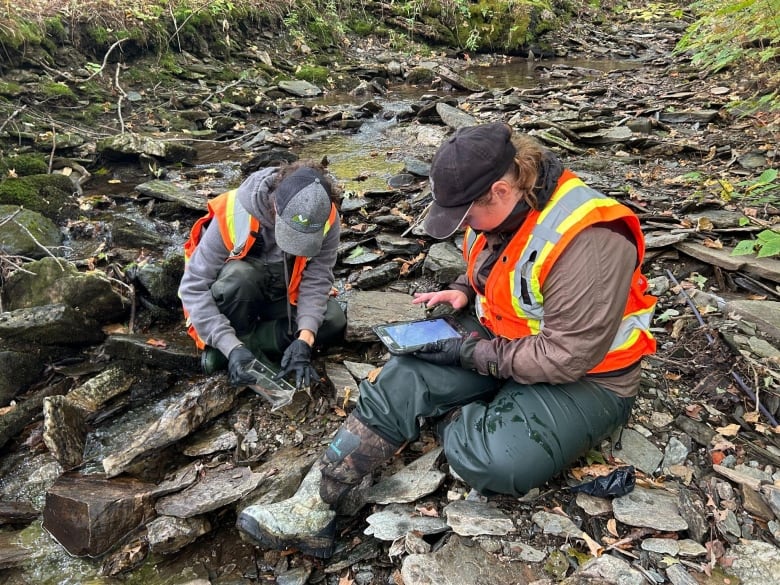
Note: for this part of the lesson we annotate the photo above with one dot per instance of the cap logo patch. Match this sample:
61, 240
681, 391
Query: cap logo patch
299, 219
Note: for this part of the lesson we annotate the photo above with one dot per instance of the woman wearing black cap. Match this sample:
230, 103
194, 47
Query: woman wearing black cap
560, 323
259, 272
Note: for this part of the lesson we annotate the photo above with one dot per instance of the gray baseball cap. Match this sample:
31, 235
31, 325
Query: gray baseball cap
302, 209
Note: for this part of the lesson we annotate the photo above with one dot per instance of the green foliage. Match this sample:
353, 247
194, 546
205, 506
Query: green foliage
55, 30
729, 31
765, 189
766, 245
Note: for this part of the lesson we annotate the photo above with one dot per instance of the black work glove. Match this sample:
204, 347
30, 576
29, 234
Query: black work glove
239, 360
297, 358
457, 351
444, 352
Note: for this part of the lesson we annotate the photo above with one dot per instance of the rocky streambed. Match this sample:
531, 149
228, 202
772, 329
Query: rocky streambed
121, 463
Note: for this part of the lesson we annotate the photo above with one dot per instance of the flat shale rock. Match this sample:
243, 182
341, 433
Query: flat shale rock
649, 508
460, 562
606, 570
168, 534
475, 518
416, 480
369, 308
12, 553
203, 402
17, 513
172, 355
218, 488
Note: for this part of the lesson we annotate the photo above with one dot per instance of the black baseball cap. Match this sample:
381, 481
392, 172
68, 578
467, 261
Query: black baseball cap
462, 170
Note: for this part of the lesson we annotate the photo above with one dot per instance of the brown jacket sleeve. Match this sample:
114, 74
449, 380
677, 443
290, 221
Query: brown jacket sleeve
584, 298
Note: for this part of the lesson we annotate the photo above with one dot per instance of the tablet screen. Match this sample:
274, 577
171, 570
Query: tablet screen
419, 332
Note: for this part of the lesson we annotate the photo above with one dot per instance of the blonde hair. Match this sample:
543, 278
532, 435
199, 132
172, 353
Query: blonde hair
526, 167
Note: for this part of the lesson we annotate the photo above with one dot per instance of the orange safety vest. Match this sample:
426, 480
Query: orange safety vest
239, 231
513, 304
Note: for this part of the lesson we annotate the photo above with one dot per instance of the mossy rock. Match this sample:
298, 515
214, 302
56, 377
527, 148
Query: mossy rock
11, 89
51, 195
313, 74
361, 28
15, 237
160, 279
421, 76
50, 281
56, 91
23, 165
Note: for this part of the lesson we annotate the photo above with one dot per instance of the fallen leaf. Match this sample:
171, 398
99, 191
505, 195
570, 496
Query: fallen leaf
594, 547
717, 457
373, 374
156, 342
427, 510
721, 444
729, 430
115, 328
751, 417
715, 244
595, 470
693, 411
7, 409
340, 412
612, 527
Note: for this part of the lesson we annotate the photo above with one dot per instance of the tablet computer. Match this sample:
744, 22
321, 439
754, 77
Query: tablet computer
410, 336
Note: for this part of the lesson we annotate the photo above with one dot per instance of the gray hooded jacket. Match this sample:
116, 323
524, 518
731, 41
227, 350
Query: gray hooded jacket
256, 195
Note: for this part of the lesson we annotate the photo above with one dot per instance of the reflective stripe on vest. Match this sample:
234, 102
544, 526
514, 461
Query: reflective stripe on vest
239, 230
513, 303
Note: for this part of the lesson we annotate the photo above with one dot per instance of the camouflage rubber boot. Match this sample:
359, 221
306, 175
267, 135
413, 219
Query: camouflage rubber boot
355, 451
303, 521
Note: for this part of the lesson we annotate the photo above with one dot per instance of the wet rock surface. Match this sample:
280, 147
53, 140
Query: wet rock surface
106, 390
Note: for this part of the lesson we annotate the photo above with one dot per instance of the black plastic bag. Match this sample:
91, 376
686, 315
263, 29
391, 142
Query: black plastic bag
618, 483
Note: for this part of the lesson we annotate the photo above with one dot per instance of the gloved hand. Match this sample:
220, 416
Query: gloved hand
444, 352
297, 358
458, 351
238, 361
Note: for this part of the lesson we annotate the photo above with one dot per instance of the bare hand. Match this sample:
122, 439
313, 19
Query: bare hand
455, 298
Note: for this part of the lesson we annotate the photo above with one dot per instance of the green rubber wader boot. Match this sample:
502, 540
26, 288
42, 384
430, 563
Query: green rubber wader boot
267, 339
212, 360
303, 521
355, 451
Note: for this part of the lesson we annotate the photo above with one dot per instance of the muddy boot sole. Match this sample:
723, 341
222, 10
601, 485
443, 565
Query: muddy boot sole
318, 545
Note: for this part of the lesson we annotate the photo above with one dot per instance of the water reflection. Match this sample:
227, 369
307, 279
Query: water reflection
366, 160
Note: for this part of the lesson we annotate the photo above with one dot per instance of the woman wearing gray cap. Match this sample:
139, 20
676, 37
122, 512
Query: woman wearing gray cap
560, 322
259, 273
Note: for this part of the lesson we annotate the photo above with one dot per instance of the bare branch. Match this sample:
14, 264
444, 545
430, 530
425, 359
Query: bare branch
105, 58
53, 146
13, 115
